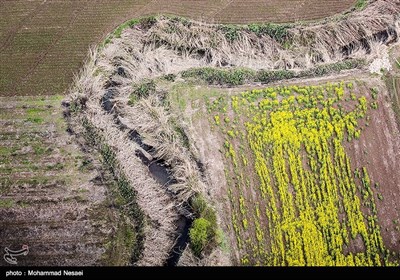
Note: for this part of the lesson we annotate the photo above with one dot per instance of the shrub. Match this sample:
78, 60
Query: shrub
169, 77
199, 235
203, 232
240, 76
266, 76
374, 105
199, 205
232, 77
325, 69
231, 32
278, 32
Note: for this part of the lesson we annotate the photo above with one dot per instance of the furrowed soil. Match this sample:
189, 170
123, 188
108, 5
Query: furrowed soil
43, 43
379, 150
52, 199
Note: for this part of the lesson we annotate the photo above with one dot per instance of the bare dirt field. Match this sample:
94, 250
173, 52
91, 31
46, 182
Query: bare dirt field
52, 199
43, 43
379, 150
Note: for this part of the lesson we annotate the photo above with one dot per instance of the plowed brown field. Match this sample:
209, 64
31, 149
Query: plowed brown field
43, 42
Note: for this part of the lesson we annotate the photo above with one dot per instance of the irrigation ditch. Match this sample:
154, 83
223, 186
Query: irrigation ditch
159, 170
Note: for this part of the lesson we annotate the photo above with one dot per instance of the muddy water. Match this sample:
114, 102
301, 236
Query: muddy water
160, 171
162, 174
106, 101
182, 241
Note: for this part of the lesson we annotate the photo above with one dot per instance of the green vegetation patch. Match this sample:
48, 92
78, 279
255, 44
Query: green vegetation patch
125, 190
6, 203
278, 32
241, 76
203, 233
35, 120
144, 22
361, 4
141, 91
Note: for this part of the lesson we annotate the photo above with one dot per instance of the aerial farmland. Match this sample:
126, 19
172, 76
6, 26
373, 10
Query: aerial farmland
200, 133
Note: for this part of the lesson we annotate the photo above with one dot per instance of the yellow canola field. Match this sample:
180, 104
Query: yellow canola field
308, 206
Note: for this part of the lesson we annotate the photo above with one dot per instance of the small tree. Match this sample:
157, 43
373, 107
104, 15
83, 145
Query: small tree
199, 235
